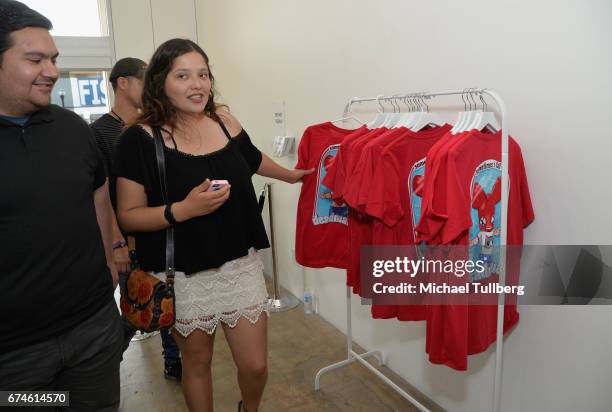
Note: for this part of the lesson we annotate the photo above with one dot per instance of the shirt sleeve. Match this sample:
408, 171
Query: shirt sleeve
249, 151
434, 199
367, 180
129, 160
384, 200
304, 151
357, 179
526, 206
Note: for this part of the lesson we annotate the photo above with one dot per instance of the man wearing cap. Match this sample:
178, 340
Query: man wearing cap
126, 78
60, 328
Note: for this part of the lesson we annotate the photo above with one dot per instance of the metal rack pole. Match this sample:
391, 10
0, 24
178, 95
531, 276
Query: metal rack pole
499, 358
278, 302
352, 356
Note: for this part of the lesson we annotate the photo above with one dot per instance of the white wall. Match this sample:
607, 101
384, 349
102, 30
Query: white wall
552, 63
139, 26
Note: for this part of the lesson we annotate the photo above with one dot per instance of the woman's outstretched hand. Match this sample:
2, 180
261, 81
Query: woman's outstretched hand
296, 175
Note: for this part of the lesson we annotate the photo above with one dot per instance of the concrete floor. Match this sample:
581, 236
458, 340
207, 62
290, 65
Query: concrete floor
299, 345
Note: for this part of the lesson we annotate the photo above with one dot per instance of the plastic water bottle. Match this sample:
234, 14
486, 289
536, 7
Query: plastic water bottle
308, 303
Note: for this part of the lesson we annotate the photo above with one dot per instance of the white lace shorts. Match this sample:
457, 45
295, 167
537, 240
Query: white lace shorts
234, 290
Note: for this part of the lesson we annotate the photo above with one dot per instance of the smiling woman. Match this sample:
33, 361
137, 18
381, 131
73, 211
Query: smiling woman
217, 233
178, 83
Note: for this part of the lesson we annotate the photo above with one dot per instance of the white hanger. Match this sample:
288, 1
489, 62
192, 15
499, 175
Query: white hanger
425, 118
393, 118
475, 118
460, 119
351, 116
472, 113
348, 115
408, 119
380, 116
464, 118
485, 119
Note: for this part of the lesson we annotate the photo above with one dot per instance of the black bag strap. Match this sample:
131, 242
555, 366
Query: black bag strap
163, 183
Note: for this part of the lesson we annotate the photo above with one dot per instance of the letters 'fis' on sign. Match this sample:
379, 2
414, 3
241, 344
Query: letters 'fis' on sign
90, 91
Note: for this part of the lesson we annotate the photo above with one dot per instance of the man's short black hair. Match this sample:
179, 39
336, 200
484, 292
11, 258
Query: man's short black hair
126, 67
16, 16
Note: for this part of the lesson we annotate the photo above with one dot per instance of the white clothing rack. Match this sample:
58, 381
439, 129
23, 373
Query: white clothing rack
352, 355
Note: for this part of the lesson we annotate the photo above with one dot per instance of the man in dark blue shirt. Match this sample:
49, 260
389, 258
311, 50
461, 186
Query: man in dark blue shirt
60, 328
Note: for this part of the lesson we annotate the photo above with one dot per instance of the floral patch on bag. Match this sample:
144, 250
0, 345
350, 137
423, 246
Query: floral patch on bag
147, 303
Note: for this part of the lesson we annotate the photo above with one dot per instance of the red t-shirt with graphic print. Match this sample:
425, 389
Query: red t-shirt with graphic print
472, 211
321, 223
395, 191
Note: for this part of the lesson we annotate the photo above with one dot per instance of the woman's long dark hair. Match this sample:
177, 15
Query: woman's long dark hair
157, 109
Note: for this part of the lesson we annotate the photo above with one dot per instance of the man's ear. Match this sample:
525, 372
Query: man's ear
122, 83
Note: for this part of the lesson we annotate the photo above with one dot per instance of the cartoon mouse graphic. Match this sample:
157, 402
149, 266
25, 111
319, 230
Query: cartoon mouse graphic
485, 204
336, 208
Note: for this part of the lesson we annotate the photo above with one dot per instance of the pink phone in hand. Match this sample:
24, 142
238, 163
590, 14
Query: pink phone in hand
216, 185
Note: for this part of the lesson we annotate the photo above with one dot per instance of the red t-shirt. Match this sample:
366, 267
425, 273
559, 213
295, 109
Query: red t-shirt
337, 180
342, 167
429, 226
364, 166
321, 228
360, 225
471, 175
395, 188
434, 207
394, 195
473, 201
